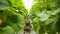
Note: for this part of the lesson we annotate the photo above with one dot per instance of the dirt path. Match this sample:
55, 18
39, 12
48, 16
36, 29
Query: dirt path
22, 32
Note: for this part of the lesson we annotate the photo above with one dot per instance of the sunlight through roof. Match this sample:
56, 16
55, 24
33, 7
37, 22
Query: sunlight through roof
28, 4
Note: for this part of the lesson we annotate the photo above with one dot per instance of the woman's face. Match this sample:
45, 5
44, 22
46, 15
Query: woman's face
27, 20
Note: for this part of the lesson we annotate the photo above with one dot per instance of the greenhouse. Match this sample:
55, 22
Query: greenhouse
29, 16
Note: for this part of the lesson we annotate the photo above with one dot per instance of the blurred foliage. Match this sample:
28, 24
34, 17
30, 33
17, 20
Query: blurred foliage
45, 16
12, 14
7, 30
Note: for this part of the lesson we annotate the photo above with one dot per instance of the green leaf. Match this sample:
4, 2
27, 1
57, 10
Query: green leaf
7, 30
17, 22
16, 3
4, 4
15, 27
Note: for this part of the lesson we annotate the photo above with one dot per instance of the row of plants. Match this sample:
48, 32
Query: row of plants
45, 16
12, 14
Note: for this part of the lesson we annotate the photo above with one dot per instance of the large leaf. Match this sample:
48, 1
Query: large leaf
7, 30
16, 3
16, 22
4, 4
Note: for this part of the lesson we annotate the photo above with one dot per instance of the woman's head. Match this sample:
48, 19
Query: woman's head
27, 19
